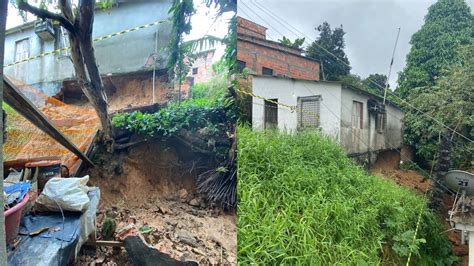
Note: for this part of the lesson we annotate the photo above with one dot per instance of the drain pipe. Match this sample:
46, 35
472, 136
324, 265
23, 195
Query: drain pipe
154, 62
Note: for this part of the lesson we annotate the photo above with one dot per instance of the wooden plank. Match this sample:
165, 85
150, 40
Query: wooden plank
104, 243
20, 163
25, 107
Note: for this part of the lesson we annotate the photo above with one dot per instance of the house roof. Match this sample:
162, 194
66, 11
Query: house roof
349, 87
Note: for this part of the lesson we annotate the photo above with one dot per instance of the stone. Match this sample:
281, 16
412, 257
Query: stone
195, 202
186, 238
182, 193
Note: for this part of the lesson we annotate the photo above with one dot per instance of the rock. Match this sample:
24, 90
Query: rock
212, 261
186, 238
164, 210
195, 202
141, 253
182, 194
203, 204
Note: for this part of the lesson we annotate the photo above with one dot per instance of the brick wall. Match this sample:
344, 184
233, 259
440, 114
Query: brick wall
283, 63
247, 27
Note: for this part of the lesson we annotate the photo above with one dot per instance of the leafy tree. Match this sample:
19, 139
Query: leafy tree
180, 54
298, 43
78, 21
448, 25
375, 83
450, 101
330, 41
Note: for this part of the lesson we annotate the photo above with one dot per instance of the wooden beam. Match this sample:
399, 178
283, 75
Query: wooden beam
104, 243
13, 97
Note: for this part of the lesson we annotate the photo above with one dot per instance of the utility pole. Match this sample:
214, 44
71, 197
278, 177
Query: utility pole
3, 22
390, 68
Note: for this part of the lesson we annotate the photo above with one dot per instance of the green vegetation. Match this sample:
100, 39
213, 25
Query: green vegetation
450, 101
297, 43
448, 25
303, 202
216, 87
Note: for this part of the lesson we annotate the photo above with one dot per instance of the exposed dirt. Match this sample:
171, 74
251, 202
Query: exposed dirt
154, 188
388, 166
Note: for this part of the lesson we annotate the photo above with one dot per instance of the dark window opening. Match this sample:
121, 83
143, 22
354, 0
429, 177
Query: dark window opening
195, 71
191, 81
308, 112
267, 71
241, 65
271, 114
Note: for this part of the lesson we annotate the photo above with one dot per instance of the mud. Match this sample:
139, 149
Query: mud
156, 189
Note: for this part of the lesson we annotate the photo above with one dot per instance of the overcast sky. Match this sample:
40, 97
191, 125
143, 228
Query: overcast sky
371, 26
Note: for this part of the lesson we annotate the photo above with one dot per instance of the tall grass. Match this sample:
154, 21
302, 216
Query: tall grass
303, 202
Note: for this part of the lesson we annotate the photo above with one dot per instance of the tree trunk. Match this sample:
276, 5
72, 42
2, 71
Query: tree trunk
82, 54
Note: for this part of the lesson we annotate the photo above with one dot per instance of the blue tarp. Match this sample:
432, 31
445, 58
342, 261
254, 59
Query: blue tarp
53, 247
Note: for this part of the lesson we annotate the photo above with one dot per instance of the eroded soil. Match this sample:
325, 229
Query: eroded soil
152, 189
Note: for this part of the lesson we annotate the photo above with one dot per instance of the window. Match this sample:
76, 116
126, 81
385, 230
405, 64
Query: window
357, 119
191, 81
22, 49
195, 71
271, 114
381, 122
267, 71
308, 112
241, 65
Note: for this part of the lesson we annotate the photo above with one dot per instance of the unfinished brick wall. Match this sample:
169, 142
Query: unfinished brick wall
257, 52
282, 62
247, 27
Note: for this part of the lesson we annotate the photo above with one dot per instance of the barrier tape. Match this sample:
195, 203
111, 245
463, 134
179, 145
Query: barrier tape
95, 40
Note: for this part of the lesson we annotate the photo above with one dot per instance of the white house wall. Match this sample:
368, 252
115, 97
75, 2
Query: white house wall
287, 91
358, 141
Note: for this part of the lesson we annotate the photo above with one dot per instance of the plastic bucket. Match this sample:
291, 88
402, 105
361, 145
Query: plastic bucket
12, 219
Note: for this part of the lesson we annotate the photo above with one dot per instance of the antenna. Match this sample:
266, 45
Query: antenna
390, 68
461, 216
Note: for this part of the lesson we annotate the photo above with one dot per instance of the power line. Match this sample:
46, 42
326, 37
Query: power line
375, 83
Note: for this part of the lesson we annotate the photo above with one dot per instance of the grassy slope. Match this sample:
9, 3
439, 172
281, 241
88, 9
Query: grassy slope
302, 201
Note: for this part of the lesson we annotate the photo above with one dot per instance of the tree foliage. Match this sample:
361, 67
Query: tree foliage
297, 43
330, 41
450, 101
448, 25
375, 83
181, 12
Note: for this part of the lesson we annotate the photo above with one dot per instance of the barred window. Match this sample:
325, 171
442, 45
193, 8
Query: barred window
308, 112
357, 118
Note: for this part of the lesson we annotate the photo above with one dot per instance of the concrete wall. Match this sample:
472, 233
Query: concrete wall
358, 141
125, 53
335, 113
287, 91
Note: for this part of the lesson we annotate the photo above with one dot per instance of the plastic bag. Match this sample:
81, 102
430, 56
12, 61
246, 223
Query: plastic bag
68, 194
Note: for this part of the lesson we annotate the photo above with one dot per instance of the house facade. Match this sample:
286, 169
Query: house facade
265, 57
358, 120
139, 51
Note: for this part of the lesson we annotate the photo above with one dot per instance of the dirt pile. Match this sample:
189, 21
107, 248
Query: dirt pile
154, 190
387, 165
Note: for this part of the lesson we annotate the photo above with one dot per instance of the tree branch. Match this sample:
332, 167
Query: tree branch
44, 14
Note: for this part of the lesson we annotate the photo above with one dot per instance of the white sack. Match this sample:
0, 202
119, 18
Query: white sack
69, 193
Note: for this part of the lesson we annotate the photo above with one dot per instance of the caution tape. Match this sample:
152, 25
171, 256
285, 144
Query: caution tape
292, 108
95, 40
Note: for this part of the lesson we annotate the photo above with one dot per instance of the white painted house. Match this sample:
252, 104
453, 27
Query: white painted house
355, 118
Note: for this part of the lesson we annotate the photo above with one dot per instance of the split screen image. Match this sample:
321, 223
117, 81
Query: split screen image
237, 132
